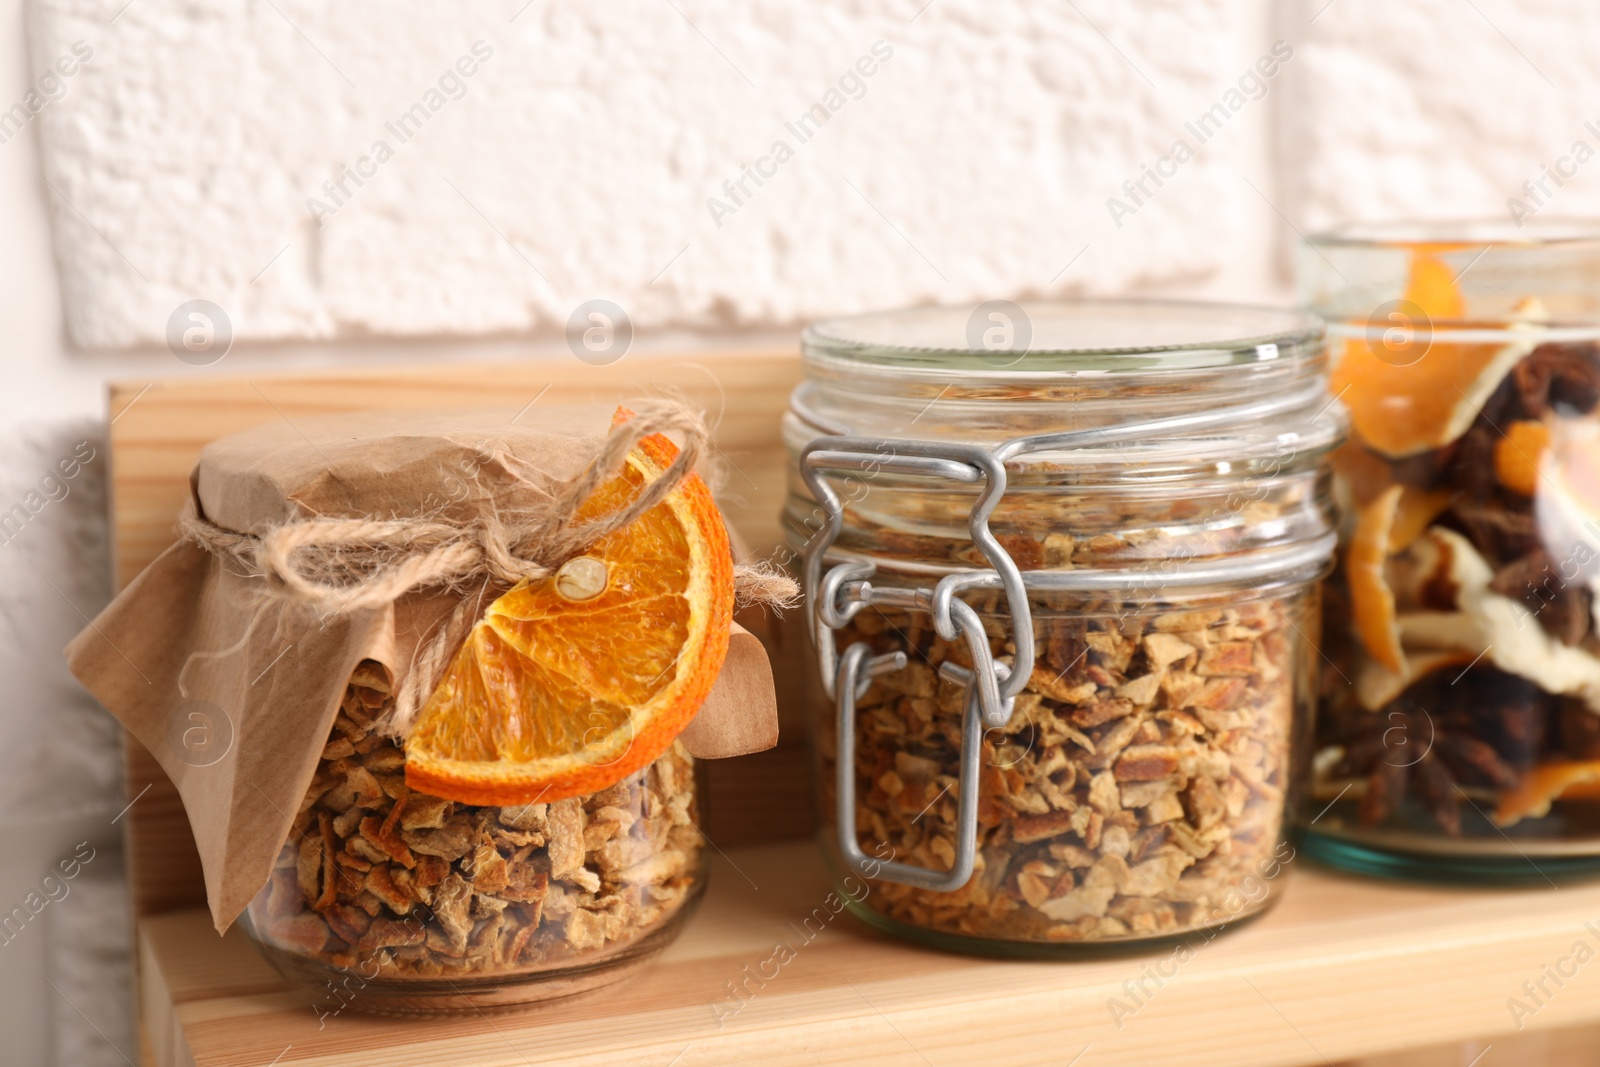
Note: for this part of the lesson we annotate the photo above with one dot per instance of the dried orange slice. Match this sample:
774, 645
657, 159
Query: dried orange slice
1543, 786
1517, 454
1371, 600
1408, 394
572, 682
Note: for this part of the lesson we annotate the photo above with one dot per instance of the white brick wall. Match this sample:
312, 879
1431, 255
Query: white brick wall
176, 164
1435, 109
580, 159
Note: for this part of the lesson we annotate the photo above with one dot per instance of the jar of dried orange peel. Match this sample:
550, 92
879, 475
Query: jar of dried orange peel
1062, 565
1458, 732
435, 687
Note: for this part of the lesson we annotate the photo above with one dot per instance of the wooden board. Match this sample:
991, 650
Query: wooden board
158, 428
1342, 968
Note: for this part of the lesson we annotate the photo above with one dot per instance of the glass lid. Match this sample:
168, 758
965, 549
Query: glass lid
1050, 337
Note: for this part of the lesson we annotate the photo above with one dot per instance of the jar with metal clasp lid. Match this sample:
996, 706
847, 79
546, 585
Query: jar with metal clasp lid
1062, 563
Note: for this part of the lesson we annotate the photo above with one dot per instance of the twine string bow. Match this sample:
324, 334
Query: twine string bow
343, 565
346, 564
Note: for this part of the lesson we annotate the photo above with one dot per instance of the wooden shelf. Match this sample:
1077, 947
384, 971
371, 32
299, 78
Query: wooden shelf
1343, 967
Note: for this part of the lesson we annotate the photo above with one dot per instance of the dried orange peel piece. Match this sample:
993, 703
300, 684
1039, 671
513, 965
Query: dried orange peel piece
1407, 393
1415, 513
1366, 476
1376, 686
1372, 602
1513, 639
572, 682
1543, 786
1432, 284
1517, 455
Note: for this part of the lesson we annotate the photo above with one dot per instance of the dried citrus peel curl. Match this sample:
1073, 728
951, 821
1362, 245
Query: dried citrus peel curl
1544, 785
1407, 393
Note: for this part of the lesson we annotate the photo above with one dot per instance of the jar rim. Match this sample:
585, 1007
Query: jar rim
1037, 338
1533, 275
1461, 233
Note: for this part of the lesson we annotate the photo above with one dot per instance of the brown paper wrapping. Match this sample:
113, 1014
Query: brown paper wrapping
234, 691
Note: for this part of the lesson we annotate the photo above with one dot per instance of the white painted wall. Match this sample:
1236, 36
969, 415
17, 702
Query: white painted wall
577, 163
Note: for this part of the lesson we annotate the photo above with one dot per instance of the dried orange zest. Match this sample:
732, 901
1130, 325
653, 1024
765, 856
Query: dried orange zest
572, 682
1416, 512
1432, 286
1406, 392
1376, 686
1517, 455
1372, 601
1543, 786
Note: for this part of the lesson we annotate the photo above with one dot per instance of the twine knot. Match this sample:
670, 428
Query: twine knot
341, 565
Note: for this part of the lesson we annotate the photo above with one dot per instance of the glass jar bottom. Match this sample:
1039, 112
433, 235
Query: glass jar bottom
996, 948
1423, 857
1064, 951
342, 990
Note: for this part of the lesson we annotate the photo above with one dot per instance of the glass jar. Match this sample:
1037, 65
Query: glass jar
389, 900
1062, 567
1458, 732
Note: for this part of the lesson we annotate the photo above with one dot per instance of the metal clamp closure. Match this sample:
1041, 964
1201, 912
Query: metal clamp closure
837, 596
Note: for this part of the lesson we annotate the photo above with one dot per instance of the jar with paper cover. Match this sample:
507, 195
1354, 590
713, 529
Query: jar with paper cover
466, 670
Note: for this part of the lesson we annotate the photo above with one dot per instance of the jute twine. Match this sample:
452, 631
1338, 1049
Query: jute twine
337, 566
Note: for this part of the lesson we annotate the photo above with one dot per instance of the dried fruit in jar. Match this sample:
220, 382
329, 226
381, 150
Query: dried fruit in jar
1477, 637
1408, 393
1139, 784
397, 883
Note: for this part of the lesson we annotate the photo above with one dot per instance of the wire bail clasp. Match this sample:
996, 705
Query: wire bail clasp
836, 596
